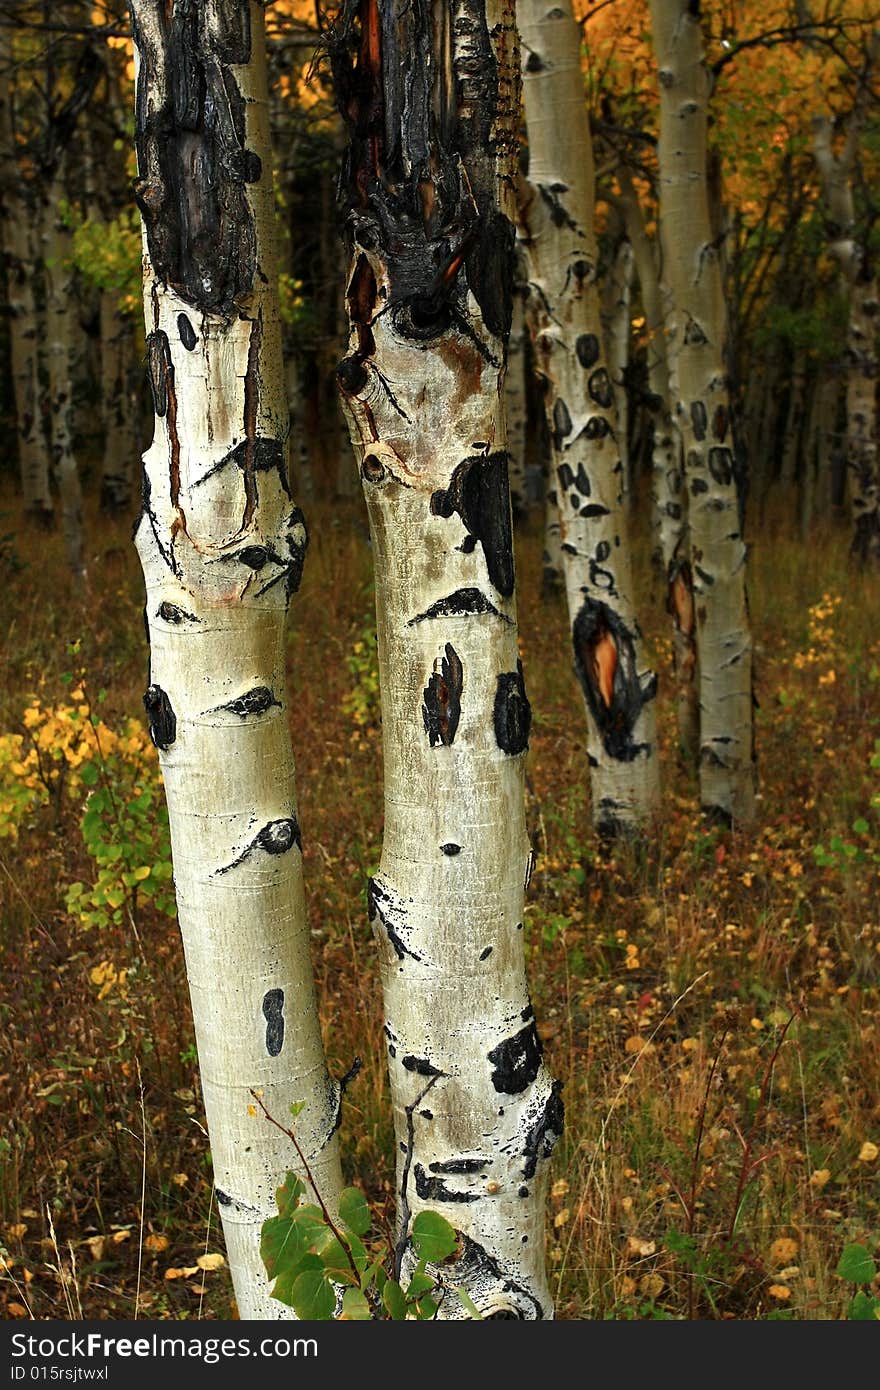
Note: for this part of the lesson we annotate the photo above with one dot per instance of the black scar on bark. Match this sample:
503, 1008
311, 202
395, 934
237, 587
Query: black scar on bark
273, 1012
593, 510
513, 713
441, 709
420, 1065
193, 164
254, 556
435, 1190
257, 455
561, 422
600, 388
460, 1165
597, 427
541, 1138
698, 485
587, 349
479, 493
699, 419
380, 907
187, 332
720, 422
163, 720
160, 369
255, 701
275, 837
450, 848
605, 664
721, 465
485, 954
534, 63
479, 1272
565, 474
459, 603
516, 1061
170, 613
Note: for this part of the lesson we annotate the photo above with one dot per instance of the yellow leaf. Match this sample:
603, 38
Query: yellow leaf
780, 1291
119, 1236
180, 1179
820, 1177
636, 1246
783, 1251
156, 1242
17, 1231
214, 1261
559, 1188
142, 873
96, 1246
868, 1152
651, 1285
561, 1217
15, 1310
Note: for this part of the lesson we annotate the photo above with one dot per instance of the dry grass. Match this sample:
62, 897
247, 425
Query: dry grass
710, 1001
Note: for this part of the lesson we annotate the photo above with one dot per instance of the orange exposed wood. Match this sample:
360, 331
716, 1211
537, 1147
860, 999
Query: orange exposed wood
604, 660
681, 597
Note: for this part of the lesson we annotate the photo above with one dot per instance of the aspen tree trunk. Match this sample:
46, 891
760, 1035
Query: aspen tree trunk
794, 422
616, 324
430, 90
859, 275
515, 389
33, 453
669, 496
718, 554
556, 216
59, 357
222, 548
117, 350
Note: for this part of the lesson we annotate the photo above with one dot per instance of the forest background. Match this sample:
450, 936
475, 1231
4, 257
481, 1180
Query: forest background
708, 996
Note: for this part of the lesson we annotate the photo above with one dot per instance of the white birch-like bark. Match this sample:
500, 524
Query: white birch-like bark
222, 548
515, 400
718, 553
57, 255
556, 218
432, 97
668, 492
616, 294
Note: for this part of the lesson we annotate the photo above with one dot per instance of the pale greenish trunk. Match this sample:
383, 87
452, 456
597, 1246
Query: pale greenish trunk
57, 254
556, 222
222, 547
432, 97
717, 549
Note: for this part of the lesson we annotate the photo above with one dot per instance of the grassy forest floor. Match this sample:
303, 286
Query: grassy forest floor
710, 1001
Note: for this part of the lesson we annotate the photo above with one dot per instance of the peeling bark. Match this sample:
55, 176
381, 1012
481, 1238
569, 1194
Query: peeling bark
430, 92
222, 547
717, 559
556, 221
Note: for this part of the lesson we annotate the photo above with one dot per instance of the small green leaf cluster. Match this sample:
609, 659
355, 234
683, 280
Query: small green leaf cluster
327, 1270
857, 1266
361, 704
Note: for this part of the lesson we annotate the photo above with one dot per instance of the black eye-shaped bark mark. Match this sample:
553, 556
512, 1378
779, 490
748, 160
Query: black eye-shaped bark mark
600, 388
159, 369
441, 709
276, 837
558, 214
163, 720
434, 1189
352, 375
479, 493
297, 540
587, 349
273, 1012
694, 335
720, 422
459, 603
597, 427
192, 159
484, 1277
255, 701
451, 849
699, 420
384, 907
258, 455
513, 713
593, 510
562, 424
255, 557
721, 466
698, 485
605, 663
187, 332
544, 1133
602, 578
170, 613
516, 1061
420, 1065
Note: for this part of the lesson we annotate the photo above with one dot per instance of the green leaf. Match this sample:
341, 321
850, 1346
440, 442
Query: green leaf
861, 826
288, 1195
468, 1303
855, 1265
433, 1237
420, 1282
313, 1294
354, 1211
355, 1306
426, 1308
864, 1307
282, 1244
394, 1300
296, 1108
335, 1259
88, 774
